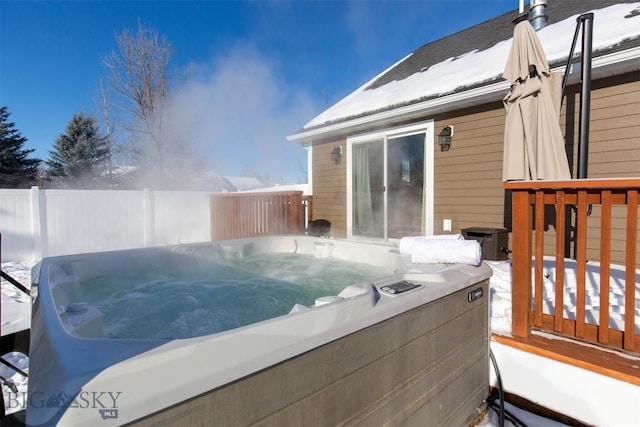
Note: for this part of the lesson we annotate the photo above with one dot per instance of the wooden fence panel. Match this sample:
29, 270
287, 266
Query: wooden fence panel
241, 215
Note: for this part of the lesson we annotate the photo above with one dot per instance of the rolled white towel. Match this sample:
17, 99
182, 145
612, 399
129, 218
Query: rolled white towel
446, 251
406, 243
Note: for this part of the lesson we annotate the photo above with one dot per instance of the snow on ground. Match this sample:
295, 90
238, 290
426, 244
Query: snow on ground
16, 305
501, 294
16, 314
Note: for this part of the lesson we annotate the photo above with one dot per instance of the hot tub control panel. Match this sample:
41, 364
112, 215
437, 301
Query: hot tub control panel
399, 287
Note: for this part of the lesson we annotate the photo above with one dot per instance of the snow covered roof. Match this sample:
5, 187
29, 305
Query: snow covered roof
466, 68
244, 183
284, 187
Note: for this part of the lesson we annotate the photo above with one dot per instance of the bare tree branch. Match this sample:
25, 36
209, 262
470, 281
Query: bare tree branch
138, 75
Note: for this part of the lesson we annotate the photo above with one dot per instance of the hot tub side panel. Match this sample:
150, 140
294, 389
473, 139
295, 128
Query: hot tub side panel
427, 366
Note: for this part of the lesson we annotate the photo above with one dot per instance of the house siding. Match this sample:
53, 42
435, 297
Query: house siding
468, 187
468, 178
614, 128
614, 149
330, 186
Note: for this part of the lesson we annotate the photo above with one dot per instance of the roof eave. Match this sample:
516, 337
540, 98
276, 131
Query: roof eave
467, 98
602, 66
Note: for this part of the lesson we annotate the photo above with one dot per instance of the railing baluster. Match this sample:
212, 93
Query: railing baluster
294, 212
251, 224
539, 255
265, 213
630, 265
256, 210
214, 210
264, 216
277, 213
241, 222
285, 209
269, 218
559, 256
581, 261
605, 265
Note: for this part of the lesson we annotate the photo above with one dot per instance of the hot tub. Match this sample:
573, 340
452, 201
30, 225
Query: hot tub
408, 346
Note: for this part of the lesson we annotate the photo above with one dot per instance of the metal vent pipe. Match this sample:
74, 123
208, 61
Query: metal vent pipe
538, 18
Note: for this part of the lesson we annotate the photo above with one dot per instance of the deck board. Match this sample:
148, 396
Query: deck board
623, 366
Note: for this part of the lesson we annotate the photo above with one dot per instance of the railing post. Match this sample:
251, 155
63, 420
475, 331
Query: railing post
295, 206
521, 264
308, 209
630, 268
581, 262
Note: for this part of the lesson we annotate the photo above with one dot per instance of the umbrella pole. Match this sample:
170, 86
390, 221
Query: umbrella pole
586, 22
570, 58
585, 95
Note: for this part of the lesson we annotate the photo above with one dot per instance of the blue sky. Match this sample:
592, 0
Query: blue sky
257, 70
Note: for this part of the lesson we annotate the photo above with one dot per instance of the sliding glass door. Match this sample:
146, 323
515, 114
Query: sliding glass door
405, 178
387, 183
368, 189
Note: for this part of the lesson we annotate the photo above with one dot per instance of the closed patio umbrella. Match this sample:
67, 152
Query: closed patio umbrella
533, 141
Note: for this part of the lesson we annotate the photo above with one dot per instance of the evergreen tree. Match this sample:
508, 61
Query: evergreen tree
80, 155
16, 169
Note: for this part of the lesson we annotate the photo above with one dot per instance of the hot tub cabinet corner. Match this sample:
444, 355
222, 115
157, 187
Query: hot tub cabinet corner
427, 366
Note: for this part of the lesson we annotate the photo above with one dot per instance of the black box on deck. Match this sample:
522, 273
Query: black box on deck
494, 242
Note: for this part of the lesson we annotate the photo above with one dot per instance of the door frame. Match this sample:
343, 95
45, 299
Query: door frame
426, 127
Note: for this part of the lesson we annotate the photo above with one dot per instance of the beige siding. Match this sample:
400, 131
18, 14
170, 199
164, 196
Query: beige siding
330, 187
468, 178
614, 148
614, 128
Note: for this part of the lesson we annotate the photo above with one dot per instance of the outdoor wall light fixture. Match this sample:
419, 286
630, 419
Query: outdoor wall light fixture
336, 154
444, 138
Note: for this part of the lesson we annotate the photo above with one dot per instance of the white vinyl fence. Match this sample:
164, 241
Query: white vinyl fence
36, 223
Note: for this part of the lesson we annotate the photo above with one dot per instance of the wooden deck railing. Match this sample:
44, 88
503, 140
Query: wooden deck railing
239, 215
614, 201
